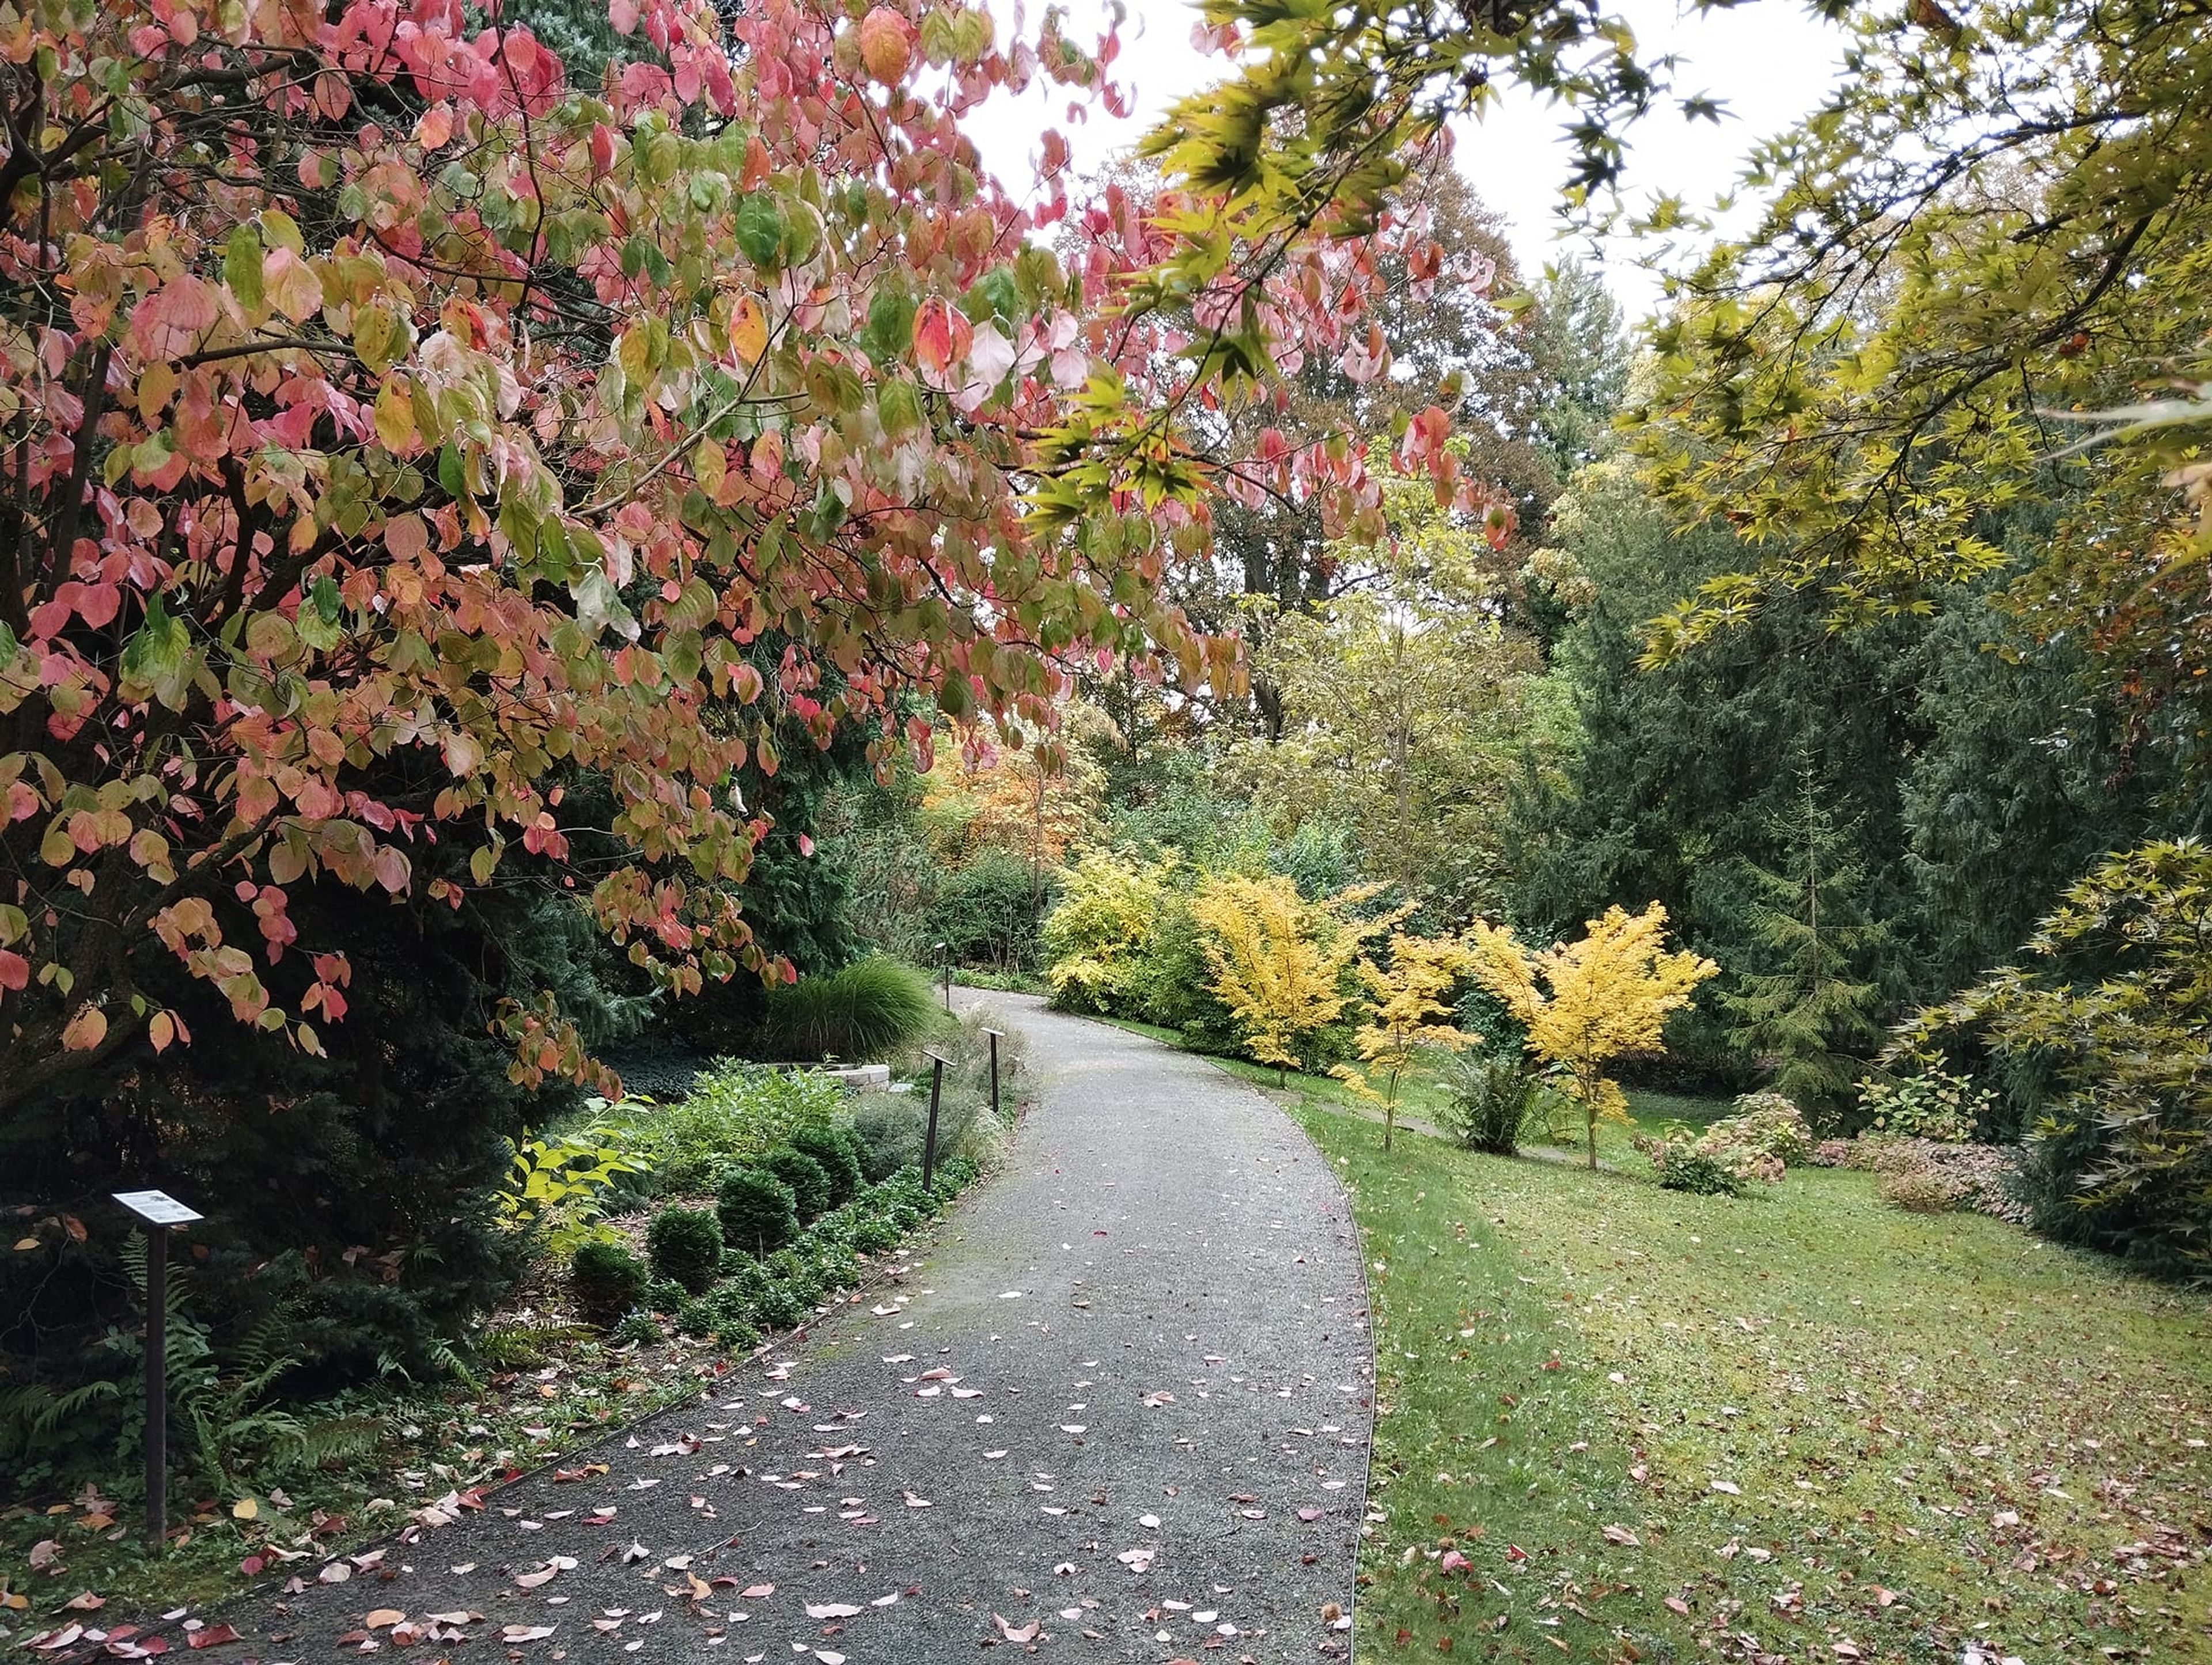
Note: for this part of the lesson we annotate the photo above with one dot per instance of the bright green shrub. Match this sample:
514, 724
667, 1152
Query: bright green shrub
639, 1329
2112, 1014
835, 1264
733, 1113
684, 1245
869, 1010
607, 1279
730, 1313
758, 1210
829, 1147
1932, 1105
808, 1180
695, 1317
1684, 1167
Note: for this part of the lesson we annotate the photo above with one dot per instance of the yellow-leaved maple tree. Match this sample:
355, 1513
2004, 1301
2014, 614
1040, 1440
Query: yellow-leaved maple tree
1278, 960
1411, 1013
1589, 1002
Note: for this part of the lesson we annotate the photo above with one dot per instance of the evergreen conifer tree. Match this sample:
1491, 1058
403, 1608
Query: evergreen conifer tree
1807, 1018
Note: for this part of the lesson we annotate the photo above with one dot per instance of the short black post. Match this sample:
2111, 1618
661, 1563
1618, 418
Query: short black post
929, 1140
157, 1212
944, 963
994, 1035
157, 1385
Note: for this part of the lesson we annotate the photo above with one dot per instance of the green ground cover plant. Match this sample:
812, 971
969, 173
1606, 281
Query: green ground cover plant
1619, 1422
534, 1381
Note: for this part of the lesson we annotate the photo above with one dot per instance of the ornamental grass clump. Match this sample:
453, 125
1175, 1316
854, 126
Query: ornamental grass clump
869, 1010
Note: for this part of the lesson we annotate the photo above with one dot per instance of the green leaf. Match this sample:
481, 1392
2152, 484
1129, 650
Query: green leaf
241, 266
319, 614
759, 229
995, 294
889, 332
155, 656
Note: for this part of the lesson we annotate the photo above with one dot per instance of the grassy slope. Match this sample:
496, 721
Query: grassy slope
1939, 1428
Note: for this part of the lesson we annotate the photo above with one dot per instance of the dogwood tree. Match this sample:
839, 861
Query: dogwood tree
393, 431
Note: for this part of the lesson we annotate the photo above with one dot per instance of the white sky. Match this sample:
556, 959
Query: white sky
1768, 64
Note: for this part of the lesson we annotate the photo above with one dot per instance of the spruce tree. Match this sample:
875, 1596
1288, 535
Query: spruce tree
1807, 1017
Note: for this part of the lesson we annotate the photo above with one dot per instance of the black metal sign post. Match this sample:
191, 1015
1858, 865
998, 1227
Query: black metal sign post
994, 1035
157, 1211
945, 960
929, 1140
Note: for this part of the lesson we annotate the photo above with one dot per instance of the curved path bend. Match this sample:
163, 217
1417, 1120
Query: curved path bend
1118, 1409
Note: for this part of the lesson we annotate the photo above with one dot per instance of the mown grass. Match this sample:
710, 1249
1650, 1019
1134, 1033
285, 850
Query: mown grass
1939, 1430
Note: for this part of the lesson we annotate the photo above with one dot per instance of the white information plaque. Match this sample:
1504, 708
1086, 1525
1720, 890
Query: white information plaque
157, 1207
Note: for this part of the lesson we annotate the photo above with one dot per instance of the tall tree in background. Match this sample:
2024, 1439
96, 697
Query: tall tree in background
1403, 705
1802, 1007
1579, 349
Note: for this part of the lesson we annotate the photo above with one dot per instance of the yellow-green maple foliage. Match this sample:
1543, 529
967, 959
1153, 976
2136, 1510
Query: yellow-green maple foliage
1587, 1003
1411, 1012
1278, 960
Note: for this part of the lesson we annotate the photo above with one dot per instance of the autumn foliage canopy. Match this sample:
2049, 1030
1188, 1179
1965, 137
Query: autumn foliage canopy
395, 433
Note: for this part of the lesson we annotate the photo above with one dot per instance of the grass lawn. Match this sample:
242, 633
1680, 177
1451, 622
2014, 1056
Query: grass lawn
1621, 1423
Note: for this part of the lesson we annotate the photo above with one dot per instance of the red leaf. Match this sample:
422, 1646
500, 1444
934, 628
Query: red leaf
212, 1636
941, 336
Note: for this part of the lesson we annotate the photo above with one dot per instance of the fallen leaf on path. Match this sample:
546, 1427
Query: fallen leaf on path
525, 1632
1622, 1535
212, 1636
831, 1610
1014, 1633
382, 1619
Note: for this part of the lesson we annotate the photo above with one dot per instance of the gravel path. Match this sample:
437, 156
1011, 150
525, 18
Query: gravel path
1119, 1410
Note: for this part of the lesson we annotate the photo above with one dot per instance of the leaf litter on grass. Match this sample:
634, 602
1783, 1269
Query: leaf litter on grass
1827, 1425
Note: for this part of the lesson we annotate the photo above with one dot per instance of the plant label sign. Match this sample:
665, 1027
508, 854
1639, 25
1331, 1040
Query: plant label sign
157, 1207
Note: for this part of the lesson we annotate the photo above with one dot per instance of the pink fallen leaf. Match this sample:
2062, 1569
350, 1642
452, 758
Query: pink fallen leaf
212, 1636
1014, 1633
1309, 1513
831, 1610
